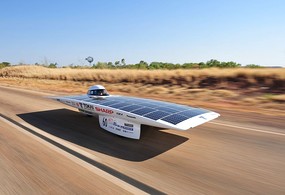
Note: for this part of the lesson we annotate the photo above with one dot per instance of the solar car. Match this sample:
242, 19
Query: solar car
124, 115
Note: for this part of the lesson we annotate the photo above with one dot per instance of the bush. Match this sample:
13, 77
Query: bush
4, 64
253, 66
52, 65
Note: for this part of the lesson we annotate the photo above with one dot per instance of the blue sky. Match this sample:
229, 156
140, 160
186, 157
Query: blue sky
174, 31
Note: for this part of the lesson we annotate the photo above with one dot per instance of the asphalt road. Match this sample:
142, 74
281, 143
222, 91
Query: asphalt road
47, 147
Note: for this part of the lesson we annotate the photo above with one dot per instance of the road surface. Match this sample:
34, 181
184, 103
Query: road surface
47, 147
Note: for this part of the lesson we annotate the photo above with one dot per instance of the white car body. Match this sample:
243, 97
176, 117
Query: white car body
123, 115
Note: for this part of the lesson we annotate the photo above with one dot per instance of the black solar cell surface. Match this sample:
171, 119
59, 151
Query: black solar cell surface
90, 100
152, 109
166, 109
179, 107
156, 115
148, 105
80, 97
119, 105
131, 107
175, 119
143, 111
193, 112
108, 103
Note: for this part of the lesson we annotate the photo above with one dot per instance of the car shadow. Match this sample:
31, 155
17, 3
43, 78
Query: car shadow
86, 132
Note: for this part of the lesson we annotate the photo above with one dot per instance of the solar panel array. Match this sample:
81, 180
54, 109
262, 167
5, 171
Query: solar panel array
152, 109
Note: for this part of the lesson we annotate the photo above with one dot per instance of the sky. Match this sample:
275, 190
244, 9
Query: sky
176, 31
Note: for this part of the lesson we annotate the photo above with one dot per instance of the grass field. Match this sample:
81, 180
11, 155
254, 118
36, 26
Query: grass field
191, 78
261, 89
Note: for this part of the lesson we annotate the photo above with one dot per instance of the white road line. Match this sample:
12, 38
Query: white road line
97, 171
249, 129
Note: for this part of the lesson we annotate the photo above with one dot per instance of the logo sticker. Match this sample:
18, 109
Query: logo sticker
104, 110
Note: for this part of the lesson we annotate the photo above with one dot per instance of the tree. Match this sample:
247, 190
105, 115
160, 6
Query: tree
52, 65
117, 63
100, 65
154, 65
142, 65
213, 63
190, 65
202, 65
4, 64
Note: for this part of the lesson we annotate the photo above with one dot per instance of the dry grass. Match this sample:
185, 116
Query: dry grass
252, 88
192, 78
215, 99
278, 98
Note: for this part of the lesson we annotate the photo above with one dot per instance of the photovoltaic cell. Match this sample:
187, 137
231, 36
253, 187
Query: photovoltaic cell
109, 103
156, 115
148, 105
81, 97
166, 109
133, 101
127, 100
179, 107
175, 119
119, 105
89, 100
131, 107
95, 101
160, 104
99, 102
85, 99
118, 99
193, 112
143, 111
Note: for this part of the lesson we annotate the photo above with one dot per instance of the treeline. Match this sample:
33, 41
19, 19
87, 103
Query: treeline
151, 66
164, 65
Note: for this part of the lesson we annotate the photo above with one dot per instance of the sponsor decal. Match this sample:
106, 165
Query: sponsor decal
123, 127
203, 117
131, 116
86, 106
118, 113
104, 110
120, 126
128, 125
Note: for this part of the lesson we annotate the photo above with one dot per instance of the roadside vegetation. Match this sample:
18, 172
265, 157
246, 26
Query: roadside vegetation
163, 65
147, 66
251, 88
266, 79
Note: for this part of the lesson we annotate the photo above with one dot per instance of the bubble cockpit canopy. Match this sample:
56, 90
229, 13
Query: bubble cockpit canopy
97, 90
